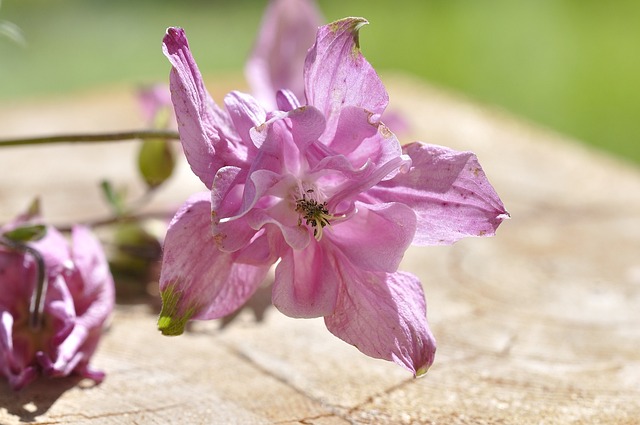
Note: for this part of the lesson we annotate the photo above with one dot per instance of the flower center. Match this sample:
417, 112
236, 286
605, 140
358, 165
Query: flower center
313, 212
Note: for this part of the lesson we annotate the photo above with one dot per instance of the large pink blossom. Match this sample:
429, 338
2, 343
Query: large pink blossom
326, 192
79, 298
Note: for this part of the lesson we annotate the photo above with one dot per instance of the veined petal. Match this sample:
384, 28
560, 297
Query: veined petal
361, 138
287, 32
336, 74
307, 126
86, 300
54, 249
384, 316
448, 191
198, 123
286, 100
95, 299
15, 269
306, 283
198, 280
278, 151
360, 180
245, 112
228, 195
14, 363
376, 236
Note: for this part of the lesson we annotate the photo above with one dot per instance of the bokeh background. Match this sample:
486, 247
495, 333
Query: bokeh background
570, 65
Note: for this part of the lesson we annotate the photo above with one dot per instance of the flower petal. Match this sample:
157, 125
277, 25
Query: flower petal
376, 236
448, 191
306, 284
15, 363
198, 280
204, 129
287, 32
336, 74
86, 300
245, 112
95, 297
54, 250
361, 138
384, 316
286, 100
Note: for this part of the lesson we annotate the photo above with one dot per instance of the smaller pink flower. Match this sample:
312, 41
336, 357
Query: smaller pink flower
156, 107
287, 32
78, 300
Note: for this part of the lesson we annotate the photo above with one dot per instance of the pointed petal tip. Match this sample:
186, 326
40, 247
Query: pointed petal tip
421, 371
354, 21
168, 326
352, 25
173, 315
504, 216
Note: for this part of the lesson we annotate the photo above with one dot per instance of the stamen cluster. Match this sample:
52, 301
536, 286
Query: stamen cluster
314, 213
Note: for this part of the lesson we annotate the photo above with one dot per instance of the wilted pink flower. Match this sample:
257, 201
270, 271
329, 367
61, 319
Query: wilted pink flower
78, 299
325, 191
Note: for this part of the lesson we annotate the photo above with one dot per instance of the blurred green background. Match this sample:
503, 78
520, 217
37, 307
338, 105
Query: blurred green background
571, 65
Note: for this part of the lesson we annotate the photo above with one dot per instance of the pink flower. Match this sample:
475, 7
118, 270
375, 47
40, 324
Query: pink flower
155, 103
326, 192
287, 32
78, 299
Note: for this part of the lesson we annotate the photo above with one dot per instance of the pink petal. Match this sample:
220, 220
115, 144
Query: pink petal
15, 269
306, 283
448, 191
198, 280
375, 237
54, 249
336, 74
384, 316
287, 32
228, 233
95, 298
86, 301
60, 309
358, 181
204, 131
153, 100
307, 126
15, 364
361, 138
286, 100
245, 112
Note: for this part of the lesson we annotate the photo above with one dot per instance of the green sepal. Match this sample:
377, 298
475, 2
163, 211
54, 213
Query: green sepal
26, 233
171, 321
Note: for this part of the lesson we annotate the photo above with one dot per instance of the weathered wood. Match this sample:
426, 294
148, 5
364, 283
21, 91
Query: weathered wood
538, 325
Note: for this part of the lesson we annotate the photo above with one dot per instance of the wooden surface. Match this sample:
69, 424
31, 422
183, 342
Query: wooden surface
540, 324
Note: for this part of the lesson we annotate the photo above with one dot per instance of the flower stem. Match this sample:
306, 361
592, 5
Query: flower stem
92, 138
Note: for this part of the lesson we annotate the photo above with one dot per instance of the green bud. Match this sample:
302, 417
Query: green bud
156, 162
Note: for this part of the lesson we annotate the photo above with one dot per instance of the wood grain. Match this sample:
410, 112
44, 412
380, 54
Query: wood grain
540, 324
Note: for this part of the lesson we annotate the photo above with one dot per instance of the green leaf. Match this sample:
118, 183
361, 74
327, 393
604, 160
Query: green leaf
156, 162
26, 233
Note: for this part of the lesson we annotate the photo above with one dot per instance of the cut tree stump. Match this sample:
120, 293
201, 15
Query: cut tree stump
540, 324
